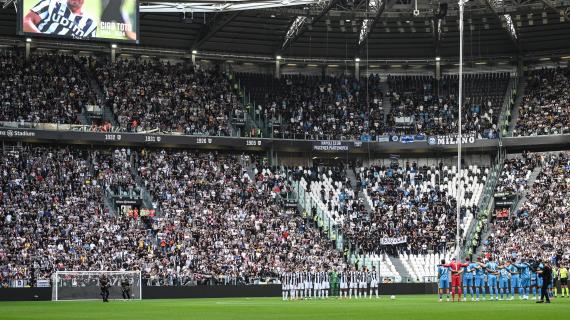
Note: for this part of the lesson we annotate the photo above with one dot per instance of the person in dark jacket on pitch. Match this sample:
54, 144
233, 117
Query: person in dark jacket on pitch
544, 271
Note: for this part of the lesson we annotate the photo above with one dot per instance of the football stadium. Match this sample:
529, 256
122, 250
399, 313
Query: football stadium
284, 159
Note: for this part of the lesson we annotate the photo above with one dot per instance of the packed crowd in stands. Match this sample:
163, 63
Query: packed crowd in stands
516, 172
419, 106
345, 107
545, 109
49, 88
178, 97
413, 203
218, 225
119, 163
184, 98
539, 229
334, 107
226, 222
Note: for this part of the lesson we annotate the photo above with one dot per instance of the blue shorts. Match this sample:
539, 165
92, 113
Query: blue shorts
525, 282
492, 281
503, 283
539, 282
468, 282
515, 281
479, 281
444, 284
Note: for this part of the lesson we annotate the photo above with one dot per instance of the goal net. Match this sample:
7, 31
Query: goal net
84, 285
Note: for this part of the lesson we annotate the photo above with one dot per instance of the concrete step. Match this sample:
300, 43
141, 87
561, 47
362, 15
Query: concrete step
354, 183
399, 265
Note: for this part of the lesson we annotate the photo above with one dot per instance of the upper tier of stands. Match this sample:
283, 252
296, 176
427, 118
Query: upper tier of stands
546, 107
147, 95
420, 106
45, 89
186, 99
300, 106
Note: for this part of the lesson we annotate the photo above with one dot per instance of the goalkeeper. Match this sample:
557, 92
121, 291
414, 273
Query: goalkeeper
104, 284
126, 288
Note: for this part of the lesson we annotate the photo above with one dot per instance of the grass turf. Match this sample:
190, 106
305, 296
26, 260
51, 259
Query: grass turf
403, 307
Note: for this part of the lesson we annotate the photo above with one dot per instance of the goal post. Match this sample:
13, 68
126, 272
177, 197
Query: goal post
84, 285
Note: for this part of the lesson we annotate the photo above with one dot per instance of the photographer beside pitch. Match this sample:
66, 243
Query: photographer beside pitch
126, 289
105, 285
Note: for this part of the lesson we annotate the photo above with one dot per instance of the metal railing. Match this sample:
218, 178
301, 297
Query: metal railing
103, 129
507, 108
322, 217
485, 204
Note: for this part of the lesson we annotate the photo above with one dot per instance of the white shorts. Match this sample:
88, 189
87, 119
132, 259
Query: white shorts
362, 285
353, 285
301, 286
325, 285
343, 285
374, 284
308, 285
284, 287
317, 286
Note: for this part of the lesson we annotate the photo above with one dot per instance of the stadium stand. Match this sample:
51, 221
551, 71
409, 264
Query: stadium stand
546, 107
171, 97
423, 268
311, 107
537, 229
415, 202
52, 209
49, 88
418, 108
516, 172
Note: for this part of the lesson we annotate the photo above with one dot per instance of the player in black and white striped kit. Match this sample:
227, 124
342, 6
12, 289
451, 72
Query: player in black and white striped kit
309, 280
343, 276
362, 284
60, 17
321, 286
293, 288
353, 285
325, 284
374, 278
285, 285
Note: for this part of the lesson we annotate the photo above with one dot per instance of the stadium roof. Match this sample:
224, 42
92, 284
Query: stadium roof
344, 29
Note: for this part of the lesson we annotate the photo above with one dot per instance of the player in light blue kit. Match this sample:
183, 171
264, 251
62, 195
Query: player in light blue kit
533, 283
515, 279
524, 268
504, 280
468, 278
480, 278
492, 271
443, 277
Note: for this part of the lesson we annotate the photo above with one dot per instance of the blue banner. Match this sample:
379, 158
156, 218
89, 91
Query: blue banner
407, 139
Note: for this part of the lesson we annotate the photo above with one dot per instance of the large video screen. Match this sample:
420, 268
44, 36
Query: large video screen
111, 20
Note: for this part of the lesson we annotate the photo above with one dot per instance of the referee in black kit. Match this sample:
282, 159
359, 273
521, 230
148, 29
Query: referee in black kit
545, 271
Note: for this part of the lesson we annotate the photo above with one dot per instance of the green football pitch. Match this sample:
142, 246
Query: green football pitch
403, 307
